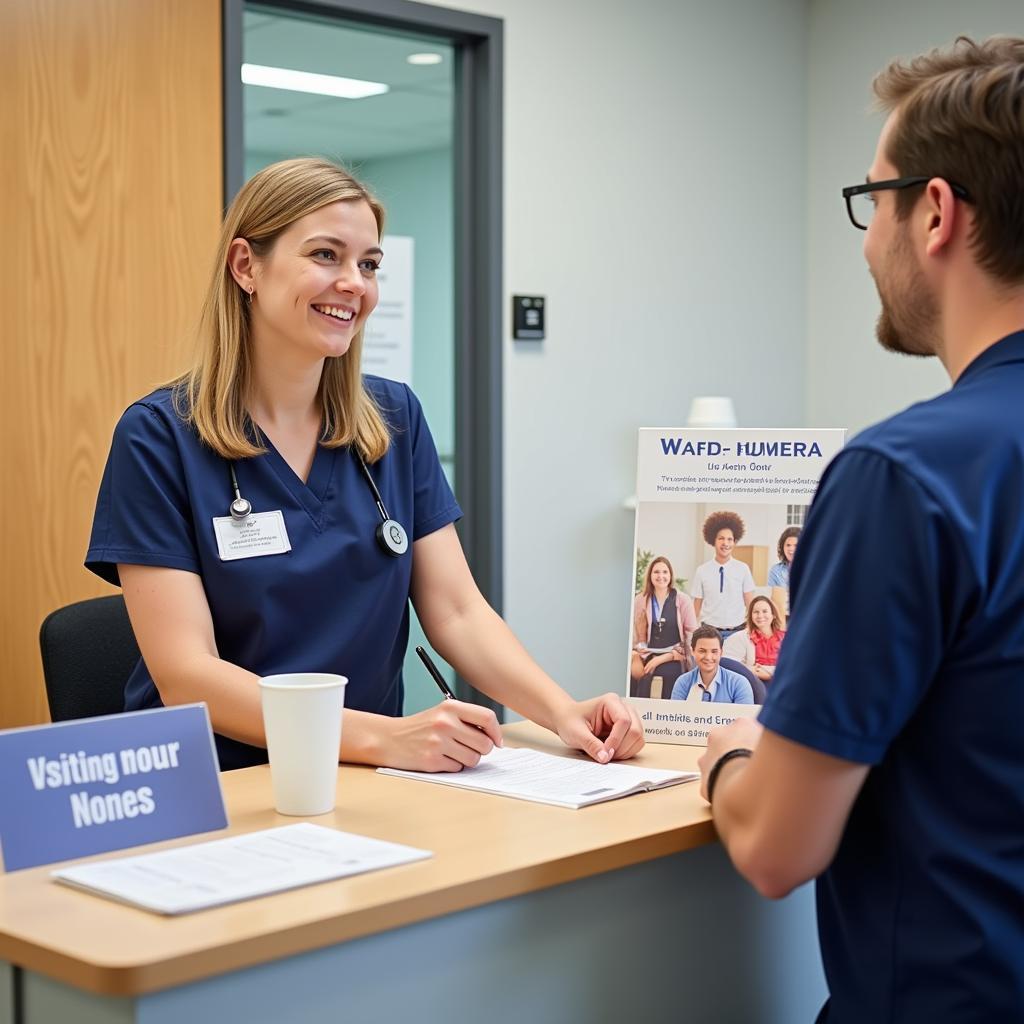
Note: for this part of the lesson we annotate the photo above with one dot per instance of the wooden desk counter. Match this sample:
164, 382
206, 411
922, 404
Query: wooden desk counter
486, 848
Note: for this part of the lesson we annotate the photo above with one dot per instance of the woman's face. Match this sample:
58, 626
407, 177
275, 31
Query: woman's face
660, 576
318, 284
789, 548
761, 616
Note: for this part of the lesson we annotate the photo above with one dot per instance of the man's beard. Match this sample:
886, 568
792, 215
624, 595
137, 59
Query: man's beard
909, 320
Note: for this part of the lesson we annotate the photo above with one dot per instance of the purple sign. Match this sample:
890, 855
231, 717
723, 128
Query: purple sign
98, 784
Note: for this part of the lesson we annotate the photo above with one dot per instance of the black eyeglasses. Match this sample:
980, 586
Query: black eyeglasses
860, 203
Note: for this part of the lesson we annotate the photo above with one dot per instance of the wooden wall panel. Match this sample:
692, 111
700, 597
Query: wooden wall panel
110, 192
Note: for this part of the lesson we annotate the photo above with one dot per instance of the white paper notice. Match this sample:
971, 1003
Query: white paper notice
237, 868
387, 339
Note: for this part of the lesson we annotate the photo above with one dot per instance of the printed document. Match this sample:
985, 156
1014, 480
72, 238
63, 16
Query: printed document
548, 779
237, 868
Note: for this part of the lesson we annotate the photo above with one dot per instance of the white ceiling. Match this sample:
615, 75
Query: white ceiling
415, 115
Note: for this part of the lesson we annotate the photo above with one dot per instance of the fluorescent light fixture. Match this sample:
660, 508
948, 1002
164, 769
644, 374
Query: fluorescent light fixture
307, 81
424, 58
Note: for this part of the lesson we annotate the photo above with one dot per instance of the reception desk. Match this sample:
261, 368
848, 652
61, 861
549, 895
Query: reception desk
626, 911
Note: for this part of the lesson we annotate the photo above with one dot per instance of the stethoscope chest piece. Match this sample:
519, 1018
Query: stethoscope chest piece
240, 510
392, 538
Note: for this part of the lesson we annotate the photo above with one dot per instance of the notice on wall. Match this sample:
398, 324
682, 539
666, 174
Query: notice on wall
718, 522
387, 339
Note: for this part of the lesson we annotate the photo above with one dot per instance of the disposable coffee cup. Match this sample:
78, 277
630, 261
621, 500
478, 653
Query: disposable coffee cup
302, 721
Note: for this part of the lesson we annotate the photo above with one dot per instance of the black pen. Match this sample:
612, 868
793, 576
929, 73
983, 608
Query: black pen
429, 665
434, 674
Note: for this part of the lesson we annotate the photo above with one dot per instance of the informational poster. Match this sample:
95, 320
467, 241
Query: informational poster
387, 339
718, 522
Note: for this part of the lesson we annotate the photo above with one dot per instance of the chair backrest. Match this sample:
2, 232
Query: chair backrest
88, 651
741, 670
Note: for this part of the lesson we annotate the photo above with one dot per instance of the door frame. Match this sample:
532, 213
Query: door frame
478, 242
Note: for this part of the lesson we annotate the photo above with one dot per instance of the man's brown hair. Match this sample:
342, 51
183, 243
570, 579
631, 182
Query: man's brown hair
961, 117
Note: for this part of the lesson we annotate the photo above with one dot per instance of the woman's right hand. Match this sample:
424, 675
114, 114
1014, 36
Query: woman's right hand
448, 737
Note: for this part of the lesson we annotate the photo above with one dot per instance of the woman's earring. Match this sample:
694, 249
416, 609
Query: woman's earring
251, 290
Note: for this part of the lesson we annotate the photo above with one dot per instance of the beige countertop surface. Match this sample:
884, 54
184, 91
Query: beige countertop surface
486, 848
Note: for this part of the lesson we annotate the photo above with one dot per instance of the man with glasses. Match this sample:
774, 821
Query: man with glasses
889, 758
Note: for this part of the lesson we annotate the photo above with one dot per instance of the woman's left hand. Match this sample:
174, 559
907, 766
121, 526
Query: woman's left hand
605, 727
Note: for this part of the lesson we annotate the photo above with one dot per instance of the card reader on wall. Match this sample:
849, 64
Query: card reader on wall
528, 317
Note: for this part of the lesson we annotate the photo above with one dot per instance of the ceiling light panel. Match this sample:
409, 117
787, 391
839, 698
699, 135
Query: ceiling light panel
308, 81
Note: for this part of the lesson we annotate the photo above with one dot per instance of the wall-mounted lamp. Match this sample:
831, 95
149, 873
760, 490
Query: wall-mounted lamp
711, 411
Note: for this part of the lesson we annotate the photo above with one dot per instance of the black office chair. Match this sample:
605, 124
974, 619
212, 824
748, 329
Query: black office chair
740, 669
89, 651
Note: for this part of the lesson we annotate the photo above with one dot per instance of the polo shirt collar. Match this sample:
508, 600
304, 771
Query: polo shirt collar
1007, 350
713, 688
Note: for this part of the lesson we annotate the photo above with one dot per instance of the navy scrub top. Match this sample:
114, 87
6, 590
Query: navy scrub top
906, 652
334, 603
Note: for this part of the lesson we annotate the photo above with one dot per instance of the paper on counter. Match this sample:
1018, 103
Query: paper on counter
237, 868
549, 779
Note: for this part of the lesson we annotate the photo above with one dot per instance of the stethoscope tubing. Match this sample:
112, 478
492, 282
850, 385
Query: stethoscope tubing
390, 534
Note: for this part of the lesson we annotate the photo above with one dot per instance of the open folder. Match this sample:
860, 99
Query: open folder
547, 779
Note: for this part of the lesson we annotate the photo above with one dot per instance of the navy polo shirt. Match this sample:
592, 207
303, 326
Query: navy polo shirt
334, 603
906, 652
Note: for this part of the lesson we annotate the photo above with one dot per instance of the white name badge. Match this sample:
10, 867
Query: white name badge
260, 533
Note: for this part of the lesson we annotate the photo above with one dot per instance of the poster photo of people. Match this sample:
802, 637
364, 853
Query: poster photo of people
718, 524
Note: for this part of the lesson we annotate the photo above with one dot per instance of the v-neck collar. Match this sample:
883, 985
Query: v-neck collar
312, 493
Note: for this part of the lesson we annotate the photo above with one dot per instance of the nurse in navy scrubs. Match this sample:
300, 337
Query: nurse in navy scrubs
239, 508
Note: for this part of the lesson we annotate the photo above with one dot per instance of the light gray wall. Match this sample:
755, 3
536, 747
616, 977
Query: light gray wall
654, 192
850, 381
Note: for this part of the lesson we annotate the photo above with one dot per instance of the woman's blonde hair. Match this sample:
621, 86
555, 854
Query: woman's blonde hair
212, 395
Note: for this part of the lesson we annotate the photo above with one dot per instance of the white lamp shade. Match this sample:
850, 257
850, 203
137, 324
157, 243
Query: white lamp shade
711, 411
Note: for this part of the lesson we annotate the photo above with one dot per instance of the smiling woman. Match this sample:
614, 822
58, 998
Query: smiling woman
288, 578
291, 238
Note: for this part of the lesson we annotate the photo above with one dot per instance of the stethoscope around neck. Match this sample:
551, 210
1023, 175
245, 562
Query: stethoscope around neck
390, 534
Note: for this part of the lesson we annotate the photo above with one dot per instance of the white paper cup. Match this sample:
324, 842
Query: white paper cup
302, 720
